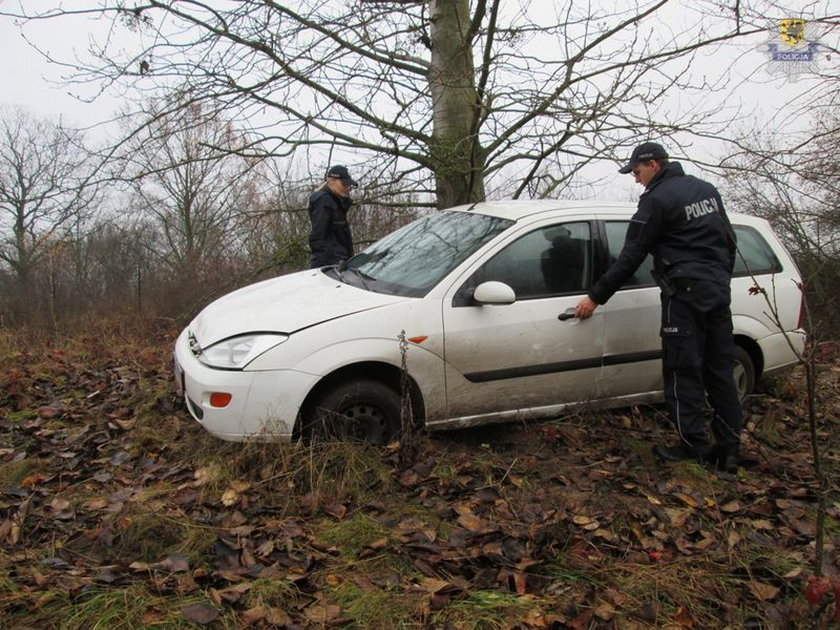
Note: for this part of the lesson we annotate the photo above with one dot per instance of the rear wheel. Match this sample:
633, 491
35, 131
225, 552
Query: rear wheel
744, 373
363, 410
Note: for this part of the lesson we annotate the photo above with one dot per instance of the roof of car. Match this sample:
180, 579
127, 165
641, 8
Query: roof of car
516, 209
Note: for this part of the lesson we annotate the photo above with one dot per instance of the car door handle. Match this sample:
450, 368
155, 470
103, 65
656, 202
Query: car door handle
564, 316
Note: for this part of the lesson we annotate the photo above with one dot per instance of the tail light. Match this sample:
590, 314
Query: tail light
801, 322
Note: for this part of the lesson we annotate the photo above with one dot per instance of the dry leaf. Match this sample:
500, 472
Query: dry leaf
205, 475
336, 510
678, 516
200, 613
651, 499
252, 615
683, 618
230, 497
762, 524
470, 522
322, 613
59, 504
278, 617
30, 481
240, 486
95, 504
433, 585
763, 591
687, 499
604, 611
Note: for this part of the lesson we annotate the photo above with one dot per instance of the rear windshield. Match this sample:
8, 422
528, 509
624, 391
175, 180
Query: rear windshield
755, 256
416, 257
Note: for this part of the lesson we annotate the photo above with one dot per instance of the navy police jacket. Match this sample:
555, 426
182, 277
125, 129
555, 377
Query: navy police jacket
681, 221
330, 240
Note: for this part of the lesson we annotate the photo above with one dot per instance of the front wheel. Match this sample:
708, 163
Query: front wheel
744, 373
362, 409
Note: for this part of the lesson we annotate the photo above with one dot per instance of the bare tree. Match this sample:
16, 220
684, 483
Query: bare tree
190, 187
441, 97
45, 192
788, 174
791, 179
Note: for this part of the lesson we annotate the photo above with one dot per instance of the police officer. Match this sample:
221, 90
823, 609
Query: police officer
681, 221
331, 240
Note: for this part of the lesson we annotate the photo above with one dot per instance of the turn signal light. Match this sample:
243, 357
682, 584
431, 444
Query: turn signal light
220, 399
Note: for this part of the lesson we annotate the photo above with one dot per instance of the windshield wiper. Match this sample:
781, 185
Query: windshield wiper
363, 277
342, 266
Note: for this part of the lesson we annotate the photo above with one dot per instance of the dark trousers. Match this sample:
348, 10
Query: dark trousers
698, 359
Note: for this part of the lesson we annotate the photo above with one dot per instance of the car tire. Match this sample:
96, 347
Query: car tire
744, 373
362, 410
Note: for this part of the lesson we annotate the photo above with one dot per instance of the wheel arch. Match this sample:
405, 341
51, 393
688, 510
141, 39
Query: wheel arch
383, 372
754, 350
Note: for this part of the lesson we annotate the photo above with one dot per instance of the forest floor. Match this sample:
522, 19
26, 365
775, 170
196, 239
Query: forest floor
118, 511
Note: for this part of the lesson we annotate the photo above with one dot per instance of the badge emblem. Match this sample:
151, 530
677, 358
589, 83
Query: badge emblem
792, 30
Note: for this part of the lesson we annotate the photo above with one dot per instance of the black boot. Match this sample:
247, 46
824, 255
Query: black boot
724, 458
680, 452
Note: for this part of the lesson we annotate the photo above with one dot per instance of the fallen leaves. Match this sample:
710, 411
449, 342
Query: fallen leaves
563, 519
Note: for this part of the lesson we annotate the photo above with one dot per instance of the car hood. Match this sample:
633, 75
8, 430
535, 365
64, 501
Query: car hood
284, 304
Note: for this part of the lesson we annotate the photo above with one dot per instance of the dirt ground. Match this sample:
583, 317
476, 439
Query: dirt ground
118, 511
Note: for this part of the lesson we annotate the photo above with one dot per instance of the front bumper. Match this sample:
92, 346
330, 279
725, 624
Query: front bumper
264, 405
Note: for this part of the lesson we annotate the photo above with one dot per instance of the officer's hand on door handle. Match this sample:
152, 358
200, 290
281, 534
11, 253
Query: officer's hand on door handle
585, 307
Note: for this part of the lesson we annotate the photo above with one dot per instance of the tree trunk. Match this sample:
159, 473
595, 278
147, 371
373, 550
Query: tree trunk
456, 154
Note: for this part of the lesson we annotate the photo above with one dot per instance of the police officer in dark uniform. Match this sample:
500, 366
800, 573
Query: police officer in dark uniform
331, 240
681, 221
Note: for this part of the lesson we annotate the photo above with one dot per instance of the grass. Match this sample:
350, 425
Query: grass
149, 536
13, 473
275, 593
489, 610
340, 526
131, 608
353, 535
378, 609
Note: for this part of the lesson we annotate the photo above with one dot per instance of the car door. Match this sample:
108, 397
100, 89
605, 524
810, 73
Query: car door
509, 358
632, 346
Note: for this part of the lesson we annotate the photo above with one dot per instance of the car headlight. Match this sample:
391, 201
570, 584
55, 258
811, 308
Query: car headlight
237, 352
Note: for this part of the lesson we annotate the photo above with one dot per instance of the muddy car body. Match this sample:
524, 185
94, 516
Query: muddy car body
465, 316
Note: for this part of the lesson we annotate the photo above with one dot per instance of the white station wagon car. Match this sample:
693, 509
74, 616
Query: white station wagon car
466, 314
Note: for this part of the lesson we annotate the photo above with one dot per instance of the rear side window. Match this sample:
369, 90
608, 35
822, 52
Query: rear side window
616, 233
754, 254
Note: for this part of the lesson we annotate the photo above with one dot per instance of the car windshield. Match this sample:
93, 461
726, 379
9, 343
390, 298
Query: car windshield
416, 257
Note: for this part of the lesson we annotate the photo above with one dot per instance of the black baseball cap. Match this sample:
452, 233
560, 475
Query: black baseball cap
341, 173
642, 153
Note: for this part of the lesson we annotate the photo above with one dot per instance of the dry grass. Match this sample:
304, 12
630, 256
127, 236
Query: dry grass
338, 530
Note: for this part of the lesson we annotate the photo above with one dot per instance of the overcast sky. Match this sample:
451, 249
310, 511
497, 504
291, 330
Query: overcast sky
28, 80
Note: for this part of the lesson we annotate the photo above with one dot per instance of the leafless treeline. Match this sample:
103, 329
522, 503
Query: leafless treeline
439, 103
161, 224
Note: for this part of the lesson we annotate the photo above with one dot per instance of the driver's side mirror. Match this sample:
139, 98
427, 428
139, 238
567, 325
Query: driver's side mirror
494, 292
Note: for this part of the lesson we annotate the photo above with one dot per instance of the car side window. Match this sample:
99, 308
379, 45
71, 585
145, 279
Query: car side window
754, 254
553, 260
616, 232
